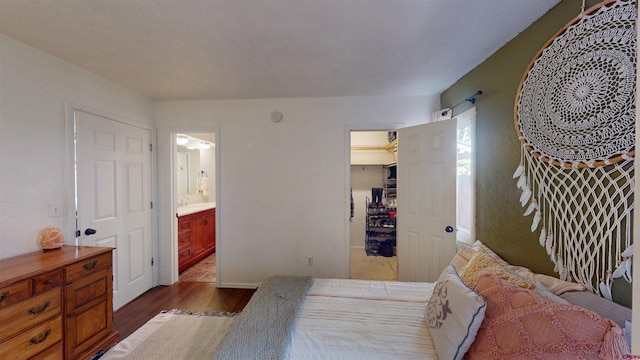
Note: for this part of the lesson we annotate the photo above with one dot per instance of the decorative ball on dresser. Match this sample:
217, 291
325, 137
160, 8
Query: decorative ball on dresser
50, 238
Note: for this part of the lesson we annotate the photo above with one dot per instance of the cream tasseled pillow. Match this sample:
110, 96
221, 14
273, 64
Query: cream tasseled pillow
553, 284
462, 257
482, 263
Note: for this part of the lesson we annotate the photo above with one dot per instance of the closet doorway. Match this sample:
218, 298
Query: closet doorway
195, 199
374, 164
373, 191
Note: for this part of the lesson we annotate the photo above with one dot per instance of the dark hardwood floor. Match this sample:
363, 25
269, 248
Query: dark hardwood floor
194, 296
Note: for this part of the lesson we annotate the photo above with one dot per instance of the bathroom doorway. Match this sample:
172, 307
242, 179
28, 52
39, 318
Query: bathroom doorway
195, 199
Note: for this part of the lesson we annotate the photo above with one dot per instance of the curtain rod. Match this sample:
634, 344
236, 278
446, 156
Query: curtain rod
471, 99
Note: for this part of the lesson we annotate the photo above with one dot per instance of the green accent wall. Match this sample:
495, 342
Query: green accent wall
499, 221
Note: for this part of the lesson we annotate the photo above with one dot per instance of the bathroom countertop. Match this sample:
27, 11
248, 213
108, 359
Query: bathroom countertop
194, 208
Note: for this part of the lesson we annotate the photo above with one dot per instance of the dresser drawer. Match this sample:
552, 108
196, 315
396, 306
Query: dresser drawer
33, 341
87, 267
14, 293
48, 281
55, 352
29, 313
86, 291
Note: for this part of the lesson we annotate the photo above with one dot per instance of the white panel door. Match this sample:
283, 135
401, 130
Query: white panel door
114, 197
426, 240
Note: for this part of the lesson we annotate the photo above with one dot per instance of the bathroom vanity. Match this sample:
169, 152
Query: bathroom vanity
196, 234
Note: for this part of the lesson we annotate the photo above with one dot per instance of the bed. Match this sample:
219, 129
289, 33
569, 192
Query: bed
376, 320
304, 318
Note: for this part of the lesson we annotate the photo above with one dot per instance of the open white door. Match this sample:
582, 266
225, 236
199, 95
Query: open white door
426, 240
114, 197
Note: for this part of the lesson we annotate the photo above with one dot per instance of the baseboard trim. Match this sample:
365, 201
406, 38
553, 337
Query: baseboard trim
233, 285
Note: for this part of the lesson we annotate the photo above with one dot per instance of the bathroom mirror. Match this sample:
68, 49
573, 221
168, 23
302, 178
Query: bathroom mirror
188, 166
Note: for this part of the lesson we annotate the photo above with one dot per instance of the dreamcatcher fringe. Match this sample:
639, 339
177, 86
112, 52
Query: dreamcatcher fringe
587, 216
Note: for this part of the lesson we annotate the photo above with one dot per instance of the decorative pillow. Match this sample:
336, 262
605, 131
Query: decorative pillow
477, 245
482, 263
454, 314
545, 293
462, 257
520, 324
599, 305
555, 285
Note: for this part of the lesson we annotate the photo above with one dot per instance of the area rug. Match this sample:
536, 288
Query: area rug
175, 334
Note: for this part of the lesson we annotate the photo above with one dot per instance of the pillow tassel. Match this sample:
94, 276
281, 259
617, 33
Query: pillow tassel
614, 345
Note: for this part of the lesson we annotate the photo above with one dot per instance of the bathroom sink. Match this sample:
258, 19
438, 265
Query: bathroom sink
194, 208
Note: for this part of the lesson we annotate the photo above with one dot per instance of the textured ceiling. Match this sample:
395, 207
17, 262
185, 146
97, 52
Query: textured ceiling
245, 49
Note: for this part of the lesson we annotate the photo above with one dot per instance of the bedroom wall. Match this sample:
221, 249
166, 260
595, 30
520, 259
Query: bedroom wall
499, 221
283, 195
32, 140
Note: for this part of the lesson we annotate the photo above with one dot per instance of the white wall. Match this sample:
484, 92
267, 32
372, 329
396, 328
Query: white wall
33, 89
283, 185
283, 192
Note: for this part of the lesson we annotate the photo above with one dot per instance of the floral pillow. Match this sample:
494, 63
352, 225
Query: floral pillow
454, 314
520, 324
482, 262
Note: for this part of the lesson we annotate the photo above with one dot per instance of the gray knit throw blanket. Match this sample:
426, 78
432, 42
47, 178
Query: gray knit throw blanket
263, 329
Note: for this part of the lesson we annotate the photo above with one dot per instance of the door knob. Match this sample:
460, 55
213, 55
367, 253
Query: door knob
448, 229
90, 231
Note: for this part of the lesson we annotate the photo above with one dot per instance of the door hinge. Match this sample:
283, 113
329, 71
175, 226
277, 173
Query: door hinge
151, 261
150, 147
78, 233
151, 203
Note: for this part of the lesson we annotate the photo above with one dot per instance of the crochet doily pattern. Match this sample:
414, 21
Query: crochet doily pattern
577, 101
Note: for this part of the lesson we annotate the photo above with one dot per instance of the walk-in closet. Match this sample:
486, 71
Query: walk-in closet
373, 216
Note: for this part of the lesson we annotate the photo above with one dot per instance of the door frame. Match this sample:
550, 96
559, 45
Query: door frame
347, 183
171, 249
465, 236
70, 174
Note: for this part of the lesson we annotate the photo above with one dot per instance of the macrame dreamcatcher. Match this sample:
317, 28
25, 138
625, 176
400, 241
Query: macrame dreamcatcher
575, 117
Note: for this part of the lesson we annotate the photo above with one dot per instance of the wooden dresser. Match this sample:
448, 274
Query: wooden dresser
57, 304
196, 237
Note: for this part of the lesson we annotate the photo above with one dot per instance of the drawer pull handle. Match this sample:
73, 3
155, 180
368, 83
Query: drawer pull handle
51, 281
91, 265
71, 314
39, 309
40, 338
4, 296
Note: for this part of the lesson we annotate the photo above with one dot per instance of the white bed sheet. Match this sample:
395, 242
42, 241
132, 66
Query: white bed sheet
356, 319
370, 289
